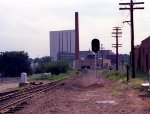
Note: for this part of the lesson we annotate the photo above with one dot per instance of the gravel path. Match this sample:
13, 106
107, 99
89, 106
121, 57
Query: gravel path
83, 95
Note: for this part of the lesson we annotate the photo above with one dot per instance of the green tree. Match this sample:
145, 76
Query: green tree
53, 67
14, 63
43, 60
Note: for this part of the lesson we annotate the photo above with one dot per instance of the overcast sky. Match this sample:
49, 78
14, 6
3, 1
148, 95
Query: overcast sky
25, 24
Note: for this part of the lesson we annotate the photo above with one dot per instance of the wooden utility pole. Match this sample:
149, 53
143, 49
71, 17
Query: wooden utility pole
131, 8
117, 33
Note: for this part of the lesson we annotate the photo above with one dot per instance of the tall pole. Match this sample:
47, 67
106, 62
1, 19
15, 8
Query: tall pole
117, 51
102, 54
95, 66
76, 36
131, 8
132, 40
117, 33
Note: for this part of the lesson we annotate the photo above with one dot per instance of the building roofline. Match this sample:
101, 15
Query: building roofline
63, 30
148, 38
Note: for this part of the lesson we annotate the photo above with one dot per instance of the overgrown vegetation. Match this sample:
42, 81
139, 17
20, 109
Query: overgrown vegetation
121, 80
48, 76
112, 74
121, 75
53, 67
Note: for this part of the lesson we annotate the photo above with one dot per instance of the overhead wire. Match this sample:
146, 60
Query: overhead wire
122, 19
125, 19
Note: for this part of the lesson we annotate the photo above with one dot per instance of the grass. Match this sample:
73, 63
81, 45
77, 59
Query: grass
120, 82
114, 75
53, 77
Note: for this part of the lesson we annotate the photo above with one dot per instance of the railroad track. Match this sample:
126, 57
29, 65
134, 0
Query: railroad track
15, 100
16, 93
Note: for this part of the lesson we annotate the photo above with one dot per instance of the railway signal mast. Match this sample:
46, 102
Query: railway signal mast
95, 48
102, 55
117, 45
131, 8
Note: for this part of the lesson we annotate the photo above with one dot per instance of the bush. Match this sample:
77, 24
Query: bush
54, 68
112, 74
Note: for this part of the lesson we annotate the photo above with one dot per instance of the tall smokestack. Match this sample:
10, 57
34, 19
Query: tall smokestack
76, 36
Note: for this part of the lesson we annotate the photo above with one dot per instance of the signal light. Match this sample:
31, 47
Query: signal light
95, 45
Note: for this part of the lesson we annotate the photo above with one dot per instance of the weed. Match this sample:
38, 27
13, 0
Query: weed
121, 82
48, 76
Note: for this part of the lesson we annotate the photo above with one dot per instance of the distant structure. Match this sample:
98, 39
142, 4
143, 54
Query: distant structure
87, 61
62, 43
83, 54
105, 59
142, 55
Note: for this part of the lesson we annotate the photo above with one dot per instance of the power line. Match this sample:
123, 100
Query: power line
125, 20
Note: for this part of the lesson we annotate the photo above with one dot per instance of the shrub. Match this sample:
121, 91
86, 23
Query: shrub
55, 67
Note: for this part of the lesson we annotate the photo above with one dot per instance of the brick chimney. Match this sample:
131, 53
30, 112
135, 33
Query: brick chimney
77, 56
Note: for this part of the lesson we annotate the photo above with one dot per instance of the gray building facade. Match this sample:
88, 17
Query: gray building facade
61, 41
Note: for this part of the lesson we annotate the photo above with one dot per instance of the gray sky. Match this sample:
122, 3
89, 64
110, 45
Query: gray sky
25, 24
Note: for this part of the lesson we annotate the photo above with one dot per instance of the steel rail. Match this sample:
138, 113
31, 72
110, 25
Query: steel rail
6, 107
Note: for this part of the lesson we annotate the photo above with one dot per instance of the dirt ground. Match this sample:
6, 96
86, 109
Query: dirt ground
12, 85
7, 86
85, 95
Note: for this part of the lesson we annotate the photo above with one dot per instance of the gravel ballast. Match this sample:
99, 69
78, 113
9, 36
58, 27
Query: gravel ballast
84, 95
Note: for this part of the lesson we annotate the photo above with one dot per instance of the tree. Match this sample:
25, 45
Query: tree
53, 67
14, 63
43, 60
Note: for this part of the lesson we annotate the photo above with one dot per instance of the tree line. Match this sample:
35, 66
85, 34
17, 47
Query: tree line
53, 67
13, 63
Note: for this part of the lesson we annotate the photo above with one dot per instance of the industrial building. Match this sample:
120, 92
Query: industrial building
64, 45
89, 61
142, 55
62, 42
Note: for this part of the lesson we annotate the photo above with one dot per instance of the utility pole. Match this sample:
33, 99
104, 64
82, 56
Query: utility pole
102, 54
131, 8
117, 33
